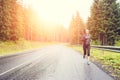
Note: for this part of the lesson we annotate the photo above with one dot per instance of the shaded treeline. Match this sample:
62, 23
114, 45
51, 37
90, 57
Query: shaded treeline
18, 22
103, 23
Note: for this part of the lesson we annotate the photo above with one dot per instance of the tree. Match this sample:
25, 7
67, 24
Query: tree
104, 21
16, 28
76, 28
1, 19
10, 21
5, 20
17, 21
113, 20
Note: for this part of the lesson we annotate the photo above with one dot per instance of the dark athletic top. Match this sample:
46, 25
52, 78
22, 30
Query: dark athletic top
86, 40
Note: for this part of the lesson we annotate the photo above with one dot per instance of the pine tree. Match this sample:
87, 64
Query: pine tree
71, 31
1, 21
76, 28
104, 21
113, 18
15, 26
10, 20
6, 20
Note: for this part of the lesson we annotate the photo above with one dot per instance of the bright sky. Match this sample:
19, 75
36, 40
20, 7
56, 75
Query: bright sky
61, 11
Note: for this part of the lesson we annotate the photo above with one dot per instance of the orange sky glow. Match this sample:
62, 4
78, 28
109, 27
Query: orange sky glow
60, 11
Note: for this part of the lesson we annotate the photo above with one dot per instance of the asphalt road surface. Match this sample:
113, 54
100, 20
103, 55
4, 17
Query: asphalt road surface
51, 63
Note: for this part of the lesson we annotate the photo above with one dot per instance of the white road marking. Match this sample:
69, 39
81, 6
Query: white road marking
32, 60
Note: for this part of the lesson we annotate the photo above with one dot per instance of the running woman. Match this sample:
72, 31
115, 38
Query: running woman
86, 45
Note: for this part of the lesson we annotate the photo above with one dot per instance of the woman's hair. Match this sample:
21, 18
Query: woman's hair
87, 31
84, 31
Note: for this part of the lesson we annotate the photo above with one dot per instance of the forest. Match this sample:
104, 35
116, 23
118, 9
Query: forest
103, 23
18, 22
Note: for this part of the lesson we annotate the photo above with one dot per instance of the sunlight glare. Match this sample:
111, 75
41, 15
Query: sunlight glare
61, 11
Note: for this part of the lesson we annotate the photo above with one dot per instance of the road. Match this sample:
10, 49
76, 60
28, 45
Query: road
51, 63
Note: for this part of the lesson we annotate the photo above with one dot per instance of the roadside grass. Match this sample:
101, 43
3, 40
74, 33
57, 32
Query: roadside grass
109, 61
9, 47
117, 43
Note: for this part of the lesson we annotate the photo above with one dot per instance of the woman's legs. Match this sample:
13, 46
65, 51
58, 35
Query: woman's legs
84, 49
88, 54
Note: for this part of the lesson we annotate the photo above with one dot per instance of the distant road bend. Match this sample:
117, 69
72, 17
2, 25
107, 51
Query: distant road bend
51, 63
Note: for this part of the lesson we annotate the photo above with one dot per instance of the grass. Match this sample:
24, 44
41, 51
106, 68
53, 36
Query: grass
95, 42
9, 47
117, 43
110, 61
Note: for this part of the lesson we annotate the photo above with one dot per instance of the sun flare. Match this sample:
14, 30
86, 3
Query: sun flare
60, 11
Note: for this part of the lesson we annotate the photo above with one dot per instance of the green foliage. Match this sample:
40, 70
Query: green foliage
117, 43
97, 42
110, 60
104, 21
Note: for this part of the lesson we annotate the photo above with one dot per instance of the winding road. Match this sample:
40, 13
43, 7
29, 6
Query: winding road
55, 62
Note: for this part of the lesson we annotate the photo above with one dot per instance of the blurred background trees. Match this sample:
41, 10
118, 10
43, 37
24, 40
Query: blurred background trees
76, 28
20, 22
104, 22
